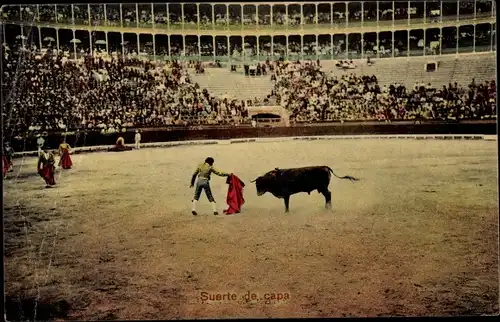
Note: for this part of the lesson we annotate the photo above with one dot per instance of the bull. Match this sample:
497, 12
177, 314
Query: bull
283, 183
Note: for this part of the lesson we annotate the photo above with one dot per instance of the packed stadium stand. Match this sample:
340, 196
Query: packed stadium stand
116, 66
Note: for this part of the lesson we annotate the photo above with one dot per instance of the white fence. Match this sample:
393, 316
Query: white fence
283, 139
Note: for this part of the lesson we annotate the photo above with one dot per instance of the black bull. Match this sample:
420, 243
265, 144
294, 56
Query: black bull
283, 183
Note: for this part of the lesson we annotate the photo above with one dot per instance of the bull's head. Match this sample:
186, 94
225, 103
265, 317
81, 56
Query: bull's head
265, 182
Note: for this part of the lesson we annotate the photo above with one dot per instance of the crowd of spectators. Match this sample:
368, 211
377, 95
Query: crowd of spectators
50, 91
311, 95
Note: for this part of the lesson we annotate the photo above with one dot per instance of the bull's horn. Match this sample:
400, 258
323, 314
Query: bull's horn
253, 180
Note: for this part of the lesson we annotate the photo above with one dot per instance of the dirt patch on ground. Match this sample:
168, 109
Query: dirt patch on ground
115, 240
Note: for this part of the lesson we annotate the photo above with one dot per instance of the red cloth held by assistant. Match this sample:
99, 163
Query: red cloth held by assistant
5, 165
234, 195
65, 161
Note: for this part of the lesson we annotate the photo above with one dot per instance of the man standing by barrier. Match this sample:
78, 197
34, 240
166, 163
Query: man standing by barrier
8, 153
137, 140
203, 172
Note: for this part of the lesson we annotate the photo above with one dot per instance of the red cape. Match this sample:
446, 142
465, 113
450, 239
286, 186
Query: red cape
65, 161
5, 165
234, 195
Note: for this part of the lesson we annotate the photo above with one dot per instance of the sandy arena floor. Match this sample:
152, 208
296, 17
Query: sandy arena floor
417, 235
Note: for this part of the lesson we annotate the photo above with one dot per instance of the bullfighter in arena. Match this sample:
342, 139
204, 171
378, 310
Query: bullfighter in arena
137, 140
7, 164
120, 145
65, 161
203, 172
46, 168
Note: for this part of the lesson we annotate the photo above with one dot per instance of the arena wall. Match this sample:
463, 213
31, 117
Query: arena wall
94, 141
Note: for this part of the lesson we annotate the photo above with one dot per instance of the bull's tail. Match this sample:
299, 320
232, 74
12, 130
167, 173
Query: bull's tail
344, 177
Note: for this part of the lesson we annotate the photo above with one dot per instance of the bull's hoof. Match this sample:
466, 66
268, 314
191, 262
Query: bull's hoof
328, 206
194, 213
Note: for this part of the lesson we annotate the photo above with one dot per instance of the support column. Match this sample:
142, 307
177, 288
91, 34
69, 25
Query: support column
55, 13
198, 17
491, 36
182, 15
137, 18
22, 36
301, 14
184, 44
154, 46
393, 9
408, 12
271, 22
123, 42
458, 12
331, 41
362, 14
57, 39
153, 21
458, 40
227, 16
72, 14
169, 38
89, 15
317, 42
257, 15
74, 43
316, 17
425, 14
302, 46
213, 16
286, 20
229, 53
199, 47
378, 18
362, 45
241, 7
138, 44
121, 18
258, 48
105, 16
168, 25
474, 38
272, 46
441, 11
378, 45
213, 47
286, 43
408, 43
441, 40
37, 17
346, 14
90, 43
425, 40
39, 36
393, 47
331, 14
107, 44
